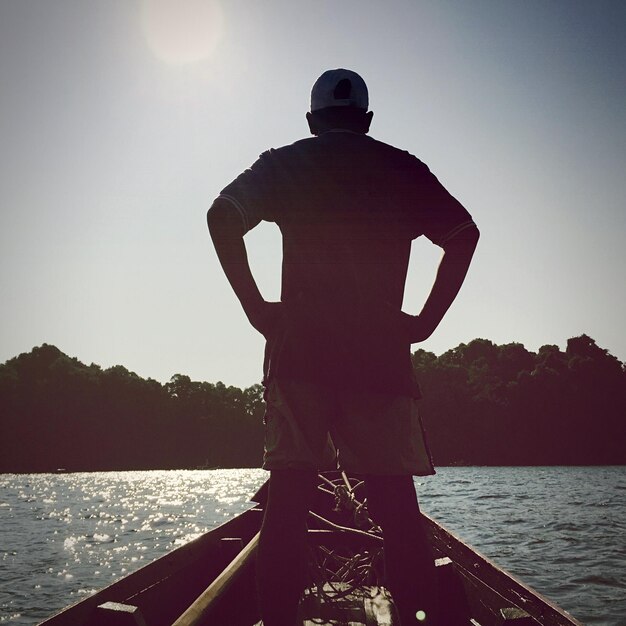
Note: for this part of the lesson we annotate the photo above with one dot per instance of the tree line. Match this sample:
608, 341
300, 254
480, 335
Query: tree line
483, 404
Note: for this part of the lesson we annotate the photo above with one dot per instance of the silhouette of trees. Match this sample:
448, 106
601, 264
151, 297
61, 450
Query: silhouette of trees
56, 412
504, 405
483, 404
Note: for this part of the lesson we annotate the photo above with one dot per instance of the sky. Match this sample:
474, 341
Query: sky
121, 121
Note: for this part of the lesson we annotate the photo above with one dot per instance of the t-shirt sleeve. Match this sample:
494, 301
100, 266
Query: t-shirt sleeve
251, 193
435, 212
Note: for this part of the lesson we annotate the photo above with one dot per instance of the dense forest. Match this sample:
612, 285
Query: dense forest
483, 404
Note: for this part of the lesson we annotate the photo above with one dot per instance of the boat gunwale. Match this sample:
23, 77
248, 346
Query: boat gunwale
466, 560
154, 572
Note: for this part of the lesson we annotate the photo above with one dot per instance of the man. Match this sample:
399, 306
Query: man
338, 375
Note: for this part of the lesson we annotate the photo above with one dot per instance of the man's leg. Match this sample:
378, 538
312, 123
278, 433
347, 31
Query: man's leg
409, 564
282, 552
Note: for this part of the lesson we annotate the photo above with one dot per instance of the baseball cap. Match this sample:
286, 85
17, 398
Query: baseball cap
339, 88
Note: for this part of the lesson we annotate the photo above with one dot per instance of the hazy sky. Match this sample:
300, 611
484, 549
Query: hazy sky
120, 121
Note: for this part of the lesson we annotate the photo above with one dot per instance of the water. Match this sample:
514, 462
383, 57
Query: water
560, 530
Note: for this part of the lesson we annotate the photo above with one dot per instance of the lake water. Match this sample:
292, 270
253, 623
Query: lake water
559, 529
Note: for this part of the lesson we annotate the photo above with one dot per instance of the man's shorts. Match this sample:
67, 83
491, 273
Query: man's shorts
308, 426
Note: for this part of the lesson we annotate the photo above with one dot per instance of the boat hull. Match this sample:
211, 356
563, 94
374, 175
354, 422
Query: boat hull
473, 589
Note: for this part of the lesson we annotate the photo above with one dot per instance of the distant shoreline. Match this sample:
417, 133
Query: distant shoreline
482, 405
199, 469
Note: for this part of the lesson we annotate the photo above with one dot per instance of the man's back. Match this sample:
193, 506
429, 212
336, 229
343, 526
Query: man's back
339, 384
348, 207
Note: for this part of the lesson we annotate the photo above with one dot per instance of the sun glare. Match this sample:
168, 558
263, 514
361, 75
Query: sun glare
182, 31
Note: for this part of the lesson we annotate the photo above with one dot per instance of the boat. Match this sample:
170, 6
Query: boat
210, 580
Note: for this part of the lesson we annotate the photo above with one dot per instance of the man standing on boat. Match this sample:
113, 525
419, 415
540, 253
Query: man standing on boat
338, 375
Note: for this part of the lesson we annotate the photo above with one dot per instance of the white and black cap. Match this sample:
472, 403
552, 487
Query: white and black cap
339, 88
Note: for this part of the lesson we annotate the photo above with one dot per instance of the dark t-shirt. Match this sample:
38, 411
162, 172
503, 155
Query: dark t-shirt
348, 207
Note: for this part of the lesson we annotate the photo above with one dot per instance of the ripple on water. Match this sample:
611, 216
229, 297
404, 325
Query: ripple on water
546, 525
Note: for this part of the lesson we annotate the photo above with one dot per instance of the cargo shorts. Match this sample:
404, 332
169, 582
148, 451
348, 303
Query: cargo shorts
308, 426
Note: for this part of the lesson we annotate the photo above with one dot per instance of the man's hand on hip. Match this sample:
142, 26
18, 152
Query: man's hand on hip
266, 317
416, 329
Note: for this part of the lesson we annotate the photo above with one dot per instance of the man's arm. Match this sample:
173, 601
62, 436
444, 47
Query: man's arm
227, 230
456, 260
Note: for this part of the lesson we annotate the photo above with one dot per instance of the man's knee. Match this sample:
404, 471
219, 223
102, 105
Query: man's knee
392, 499
290, 492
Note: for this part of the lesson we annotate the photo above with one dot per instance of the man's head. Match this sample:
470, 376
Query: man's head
339, 100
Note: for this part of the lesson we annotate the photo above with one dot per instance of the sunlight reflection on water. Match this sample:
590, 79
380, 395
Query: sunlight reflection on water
561, 530
70, 534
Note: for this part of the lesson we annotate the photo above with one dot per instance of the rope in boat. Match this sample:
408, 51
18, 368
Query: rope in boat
357, 570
